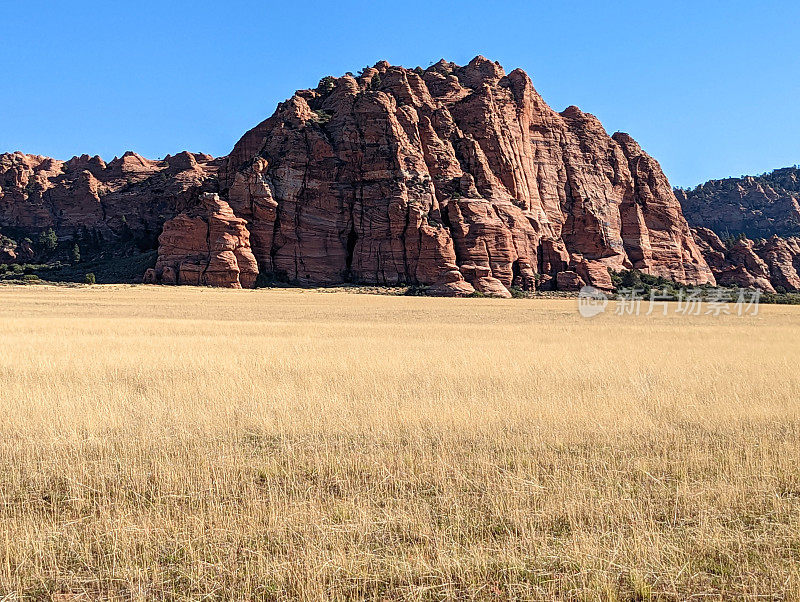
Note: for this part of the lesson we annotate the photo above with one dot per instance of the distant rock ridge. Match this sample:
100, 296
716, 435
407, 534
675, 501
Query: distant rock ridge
748, 228
128, 196
757, 206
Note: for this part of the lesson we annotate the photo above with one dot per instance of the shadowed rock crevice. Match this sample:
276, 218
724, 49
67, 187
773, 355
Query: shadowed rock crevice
352, 239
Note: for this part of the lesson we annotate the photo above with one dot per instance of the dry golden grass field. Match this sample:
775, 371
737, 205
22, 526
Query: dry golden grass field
199, 444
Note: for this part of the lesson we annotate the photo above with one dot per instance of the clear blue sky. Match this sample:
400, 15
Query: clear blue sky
711, 89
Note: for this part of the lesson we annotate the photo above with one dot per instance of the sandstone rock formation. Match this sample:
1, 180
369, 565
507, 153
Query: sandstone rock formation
569, 281
454, 178
724, 213
768, 265
129, 197
758, 206
207, 245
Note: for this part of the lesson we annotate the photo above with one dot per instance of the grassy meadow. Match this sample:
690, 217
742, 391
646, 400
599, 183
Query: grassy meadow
196, 444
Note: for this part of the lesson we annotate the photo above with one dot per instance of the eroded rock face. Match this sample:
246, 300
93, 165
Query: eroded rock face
207, 245
569, 281
768, 265
766, 209
783, 258
757, 206
129, 197
457, 178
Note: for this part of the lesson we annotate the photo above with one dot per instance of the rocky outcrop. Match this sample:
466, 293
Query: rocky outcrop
455, 178
747, 228
767, 264
128, 198
207, 245
569, 281
757, 206
783, 258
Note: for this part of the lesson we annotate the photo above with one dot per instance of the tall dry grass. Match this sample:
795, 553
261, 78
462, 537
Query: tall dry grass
182, 443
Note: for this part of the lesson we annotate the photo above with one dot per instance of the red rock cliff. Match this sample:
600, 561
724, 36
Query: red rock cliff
452, 177
768, 264
130, 194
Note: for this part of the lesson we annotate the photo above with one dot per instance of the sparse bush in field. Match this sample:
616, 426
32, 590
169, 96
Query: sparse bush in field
645, 284
89, 279
416, 290
781, 299
7, 242
264, 280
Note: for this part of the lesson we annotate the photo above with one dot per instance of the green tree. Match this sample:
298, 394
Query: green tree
90, 279
48, 240
76, 253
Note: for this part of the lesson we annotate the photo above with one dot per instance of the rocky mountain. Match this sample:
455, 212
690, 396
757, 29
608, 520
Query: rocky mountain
113, 207
748, 228
453, 178
771, 265
757, 206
